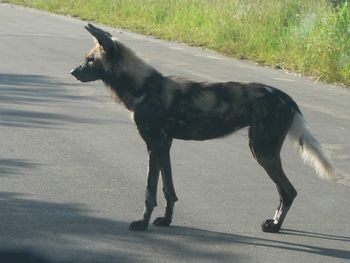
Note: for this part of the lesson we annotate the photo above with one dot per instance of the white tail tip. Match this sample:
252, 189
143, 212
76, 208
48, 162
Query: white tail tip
310, 149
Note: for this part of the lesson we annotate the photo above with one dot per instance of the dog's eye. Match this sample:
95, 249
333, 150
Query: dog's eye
90, 59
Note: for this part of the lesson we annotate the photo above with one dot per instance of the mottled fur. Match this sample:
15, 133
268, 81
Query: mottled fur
167, 108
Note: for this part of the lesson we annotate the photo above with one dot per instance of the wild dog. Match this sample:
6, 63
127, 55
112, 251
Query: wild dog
167, 108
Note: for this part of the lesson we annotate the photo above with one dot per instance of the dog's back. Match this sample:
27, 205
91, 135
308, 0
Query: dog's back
203, 110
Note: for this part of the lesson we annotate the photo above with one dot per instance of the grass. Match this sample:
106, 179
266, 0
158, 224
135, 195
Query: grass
311, 37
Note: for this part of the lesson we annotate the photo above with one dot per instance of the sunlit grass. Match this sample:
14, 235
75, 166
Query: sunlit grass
308, 36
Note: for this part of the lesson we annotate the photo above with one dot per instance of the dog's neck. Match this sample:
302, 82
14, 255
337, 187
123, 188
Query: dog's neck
129, 78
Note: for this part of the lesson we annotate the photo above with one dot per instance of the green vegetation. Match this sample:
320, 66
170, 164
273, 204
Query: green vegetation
308, 36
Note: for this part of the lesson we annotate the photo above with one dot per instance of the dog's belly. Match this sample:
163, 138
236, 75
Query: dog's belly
205, 128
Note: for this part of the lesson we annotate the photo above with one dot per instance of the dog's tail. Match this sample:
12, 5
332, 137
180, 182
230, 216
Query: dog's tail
310, 149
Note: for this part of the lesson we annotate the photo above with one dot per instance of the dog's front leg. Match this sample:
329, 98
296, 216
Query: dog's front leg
151, 193
168, 187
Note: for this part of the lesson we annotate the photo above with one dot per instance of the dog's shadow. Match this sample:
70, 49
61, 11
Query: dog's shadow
70, 232
302, 242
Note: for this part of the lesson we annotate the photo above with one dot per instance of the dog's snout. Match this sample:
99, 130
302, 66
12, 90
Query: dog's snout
85, 73
77, 72
73, 71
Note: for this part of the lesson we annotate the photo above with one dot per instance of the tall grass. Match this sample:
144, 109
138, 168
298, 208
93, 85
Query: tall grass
308, 36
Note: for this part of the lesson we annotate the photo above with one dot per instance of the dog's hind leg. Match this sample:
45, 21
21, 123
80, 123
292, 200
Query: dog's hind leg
266, 150
287, 193
168, 188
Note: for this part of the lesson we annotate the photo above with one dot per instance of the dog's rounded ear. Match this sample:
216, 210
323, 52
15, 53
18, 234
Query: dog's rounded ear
102, 37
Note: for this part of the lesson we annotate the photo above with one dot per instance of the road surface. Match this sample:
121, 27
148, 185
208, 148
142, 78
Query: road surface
73, 168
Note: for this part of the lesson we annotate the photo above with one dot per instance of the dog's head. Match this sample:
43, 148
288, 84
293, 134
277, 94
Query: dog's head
98, 61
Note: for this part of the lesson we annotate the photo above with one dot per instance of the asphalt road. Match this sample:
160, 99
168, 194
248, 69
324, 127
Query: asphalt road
73, 168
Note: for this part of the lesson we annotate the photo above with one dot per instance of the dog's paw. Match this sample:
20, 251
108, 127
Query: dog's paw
270, 227
162, 221
140, 225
